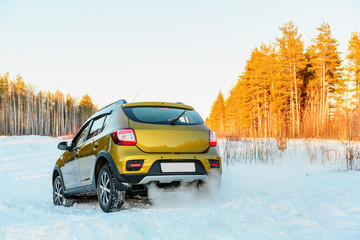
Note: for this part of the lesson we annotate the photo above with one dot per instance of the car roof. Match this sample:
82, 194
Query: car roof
158, 104
109, 108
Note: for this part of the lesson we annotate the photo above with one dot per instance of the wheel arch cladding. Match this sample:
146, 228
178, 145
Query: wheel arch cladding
56, 172
101, 161
102, 158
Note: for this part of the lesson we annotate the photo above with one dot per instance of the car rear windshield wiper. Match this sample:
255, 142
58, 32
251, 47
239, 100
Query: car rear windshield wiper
177, 118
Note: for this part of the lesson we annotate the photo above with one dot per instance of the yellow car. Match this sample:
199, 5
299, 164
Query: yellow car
126, 146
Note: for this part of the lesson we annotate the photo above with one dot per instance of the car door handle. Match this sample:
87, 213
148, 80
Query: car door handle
96, 145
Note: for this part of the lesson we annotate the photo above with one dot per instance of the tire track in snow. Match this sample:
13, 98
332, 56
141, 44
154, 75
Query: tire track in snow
25, 162
19, 157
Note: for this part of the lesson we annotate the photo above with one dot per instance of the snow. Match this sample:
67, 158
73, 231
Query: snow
287, 195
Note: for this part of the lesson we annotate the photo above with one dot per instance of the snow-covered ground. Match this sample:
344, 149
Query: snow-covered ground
289, 199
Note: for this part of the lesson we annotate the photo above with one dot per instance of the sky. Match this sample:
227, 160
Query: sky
177, 51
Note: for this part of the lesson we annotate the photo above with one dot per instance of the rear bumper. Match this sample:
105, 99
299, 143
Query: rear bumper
124, 181
151, 170
122, 154
156, 175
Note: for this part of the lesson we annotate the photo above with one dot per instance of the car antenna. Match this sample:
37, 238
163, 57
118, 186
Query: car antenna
135, 97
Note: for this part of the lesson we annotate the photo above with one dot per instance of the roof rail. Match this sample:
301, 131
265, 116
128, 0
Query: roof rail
118, 102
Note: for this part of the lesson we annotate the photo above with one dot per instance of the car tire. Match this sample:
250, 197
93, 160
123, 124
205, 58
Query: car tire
110, 199
58, 191
58, 194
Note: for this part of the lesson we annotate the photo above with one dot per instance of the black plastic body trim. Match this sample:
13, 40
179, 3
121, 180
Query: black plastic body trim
118, 178
56, 169
155, 170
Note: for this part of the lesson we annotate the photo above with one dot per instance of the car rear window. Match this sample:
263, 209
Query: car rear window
163, 115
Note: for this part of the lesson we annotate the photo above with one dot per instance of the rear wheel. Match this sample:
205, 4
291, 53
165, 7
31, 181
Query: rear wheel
110, 199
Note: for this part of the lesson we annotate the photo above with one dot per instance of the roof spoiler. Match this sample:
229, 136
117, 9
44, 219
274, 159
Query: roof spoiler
158, 104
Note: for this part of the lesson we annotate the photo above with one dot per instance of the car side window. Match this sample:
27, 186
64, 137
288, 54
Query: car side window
107, 118
97, 127
80, 136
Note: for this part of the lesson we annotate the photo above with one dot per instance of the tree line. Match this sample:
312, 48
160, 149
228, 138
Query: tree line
25, 112
287, 90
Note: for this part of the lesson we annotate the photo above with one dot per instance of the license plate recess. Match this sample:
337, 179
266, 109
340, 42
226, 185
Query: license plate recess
177, 167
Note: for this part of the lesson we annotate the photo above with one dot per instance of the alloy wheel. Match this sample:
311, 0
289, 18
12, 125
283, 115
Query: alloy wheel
58, 193
105, 188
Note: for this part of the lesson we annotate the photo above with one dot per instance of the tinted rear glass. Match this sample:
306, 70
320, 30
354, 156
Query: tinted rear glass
163, 115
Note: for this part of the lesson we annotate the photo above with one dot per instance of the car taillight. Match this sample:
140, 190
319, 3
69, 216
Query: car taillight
134, 165
214, 163
124, 137
212, 139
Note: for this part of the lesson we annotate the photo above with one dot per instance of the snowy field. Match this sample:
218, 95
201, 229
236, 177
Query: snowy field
301, 193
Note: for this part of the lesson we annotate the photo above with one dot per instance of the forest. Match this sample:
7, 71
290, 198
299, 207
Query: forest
287, 90
25, 112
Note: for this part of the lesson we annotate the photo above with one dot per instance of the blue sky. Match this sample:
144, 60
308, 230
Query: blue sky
161, 50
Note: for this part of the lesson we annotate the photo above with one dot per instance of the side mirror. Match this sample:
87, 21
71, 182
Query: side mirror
63, 146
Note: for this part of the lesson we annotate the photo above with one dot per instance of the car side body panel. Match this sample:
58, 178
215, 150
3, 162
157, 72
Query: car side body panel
70, 170
86, 159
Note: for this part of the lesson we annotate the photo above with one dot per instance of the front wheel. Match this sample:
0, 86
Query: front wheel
110, 199
58, 194
58, 191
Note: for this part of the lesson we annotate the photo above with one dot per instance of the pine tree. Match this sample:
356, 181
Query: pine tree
350, 100
4, 95
292, 60
216, 120
353, 68
325, 64
252, 94
19, 90
86, 107
232, 104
